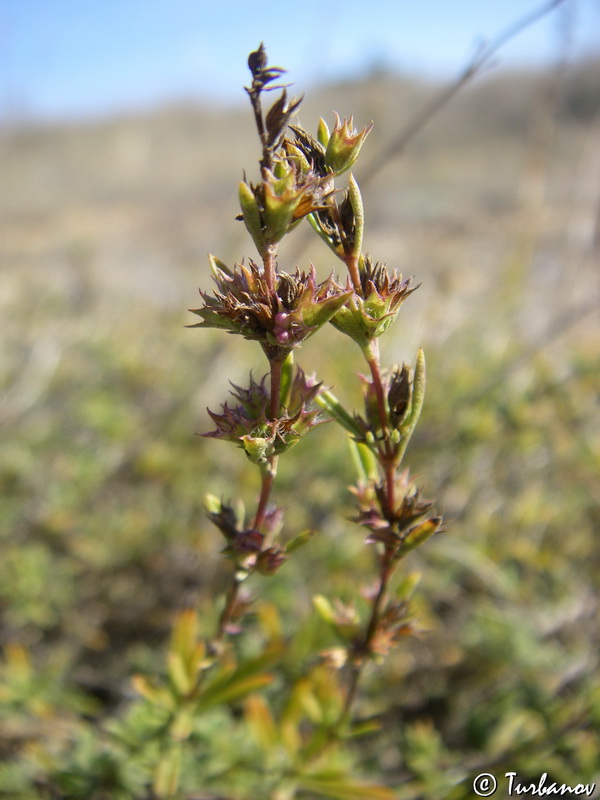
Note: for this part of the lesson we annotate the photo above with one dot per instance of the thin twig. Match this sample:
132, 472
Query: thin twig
481, 61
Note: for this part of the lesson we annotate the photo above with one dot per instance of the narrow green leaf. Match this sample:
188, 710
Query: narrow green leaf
300, 540
359, 214
329, 402
235, 688
418, 398
166, 779
217, 266
155, 694
261, 722
343, 788
324, 607
419, 534
184, 639
178, 675
364, 460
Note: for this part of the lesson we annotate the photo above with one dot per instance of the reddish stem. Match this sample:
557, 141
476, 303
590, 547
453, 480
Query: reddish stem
386, 452
372, 356
268, 478
275, 402
365, 647
227, 613
269, 264
352, 264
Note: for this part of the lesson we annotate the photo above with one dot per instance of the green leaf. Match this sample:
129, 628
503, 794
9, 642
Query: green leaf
178, 675
184, 639
343, 788
324, 607
364, 460
246, 678
236, 687
418, 398
419, 534
261, 722
166, 779
329, 402
300, 540
155, 694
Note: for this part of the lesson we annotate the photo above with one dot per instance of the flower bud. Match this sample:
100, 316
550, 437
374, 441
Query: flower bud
344, 145
269, 560
323, 134
258, 448
251, 215
419, 534
372, 309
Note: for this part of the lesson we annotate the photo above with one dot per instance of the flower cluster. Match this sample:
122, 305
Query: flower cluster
374, 307
280, 310
248, 423
246, 546
403, 526
280, 318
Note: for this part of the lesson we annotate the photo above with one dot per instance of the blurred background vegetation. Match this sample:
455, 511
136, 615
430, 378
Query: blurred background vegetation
104, 227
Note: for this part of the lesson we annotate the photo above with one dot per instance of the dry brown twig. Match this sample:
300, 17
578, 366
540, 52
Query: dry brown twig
481, 61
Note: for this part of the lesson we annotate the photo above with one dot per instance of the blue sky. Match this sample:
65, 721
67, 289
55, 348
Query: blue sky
78, 57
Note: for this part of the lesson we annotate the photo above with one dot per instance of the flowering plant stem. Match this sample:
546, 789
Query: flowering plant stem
280, 311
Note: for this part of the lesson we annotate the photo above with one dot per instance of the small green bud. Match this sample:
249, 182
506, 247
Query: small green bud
300, 540
258, 448
218, 268
359, 215
373, 308
324, 608
323, 134
251, 215
407, 586
419, 534
212, 504
295, 153
281, 201
344, 145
